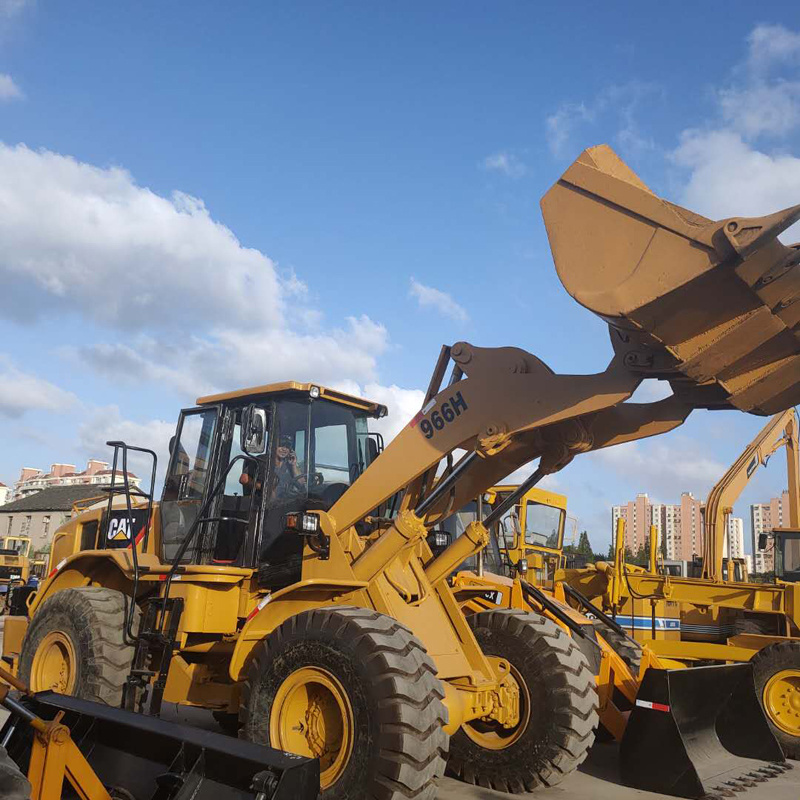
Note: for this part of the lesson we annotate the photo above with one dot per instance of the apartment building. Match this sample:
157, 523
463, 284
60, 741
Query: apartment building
97, 473
733, 544
764, 517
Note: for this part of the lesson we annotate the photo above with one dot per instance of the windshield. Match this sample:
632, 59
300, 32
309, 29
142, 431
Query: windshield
788, 558
320, 449
544, 525
19, 546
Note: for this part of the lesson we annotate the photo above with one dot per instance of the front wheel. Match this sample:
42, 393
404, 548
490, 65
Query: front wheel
558, 707
776, 671
355, 689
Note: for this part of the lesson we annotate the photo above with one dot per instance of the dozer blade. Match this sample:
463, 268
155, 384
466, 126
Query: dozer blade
711, 306
146, 758
697, 732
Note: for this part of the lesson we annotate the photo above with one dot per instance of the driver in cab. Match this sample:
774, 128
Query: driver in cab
287, 471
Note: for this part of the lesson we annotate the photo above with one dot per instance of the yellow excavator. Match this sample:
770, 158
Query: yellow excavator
717, 618
285, 580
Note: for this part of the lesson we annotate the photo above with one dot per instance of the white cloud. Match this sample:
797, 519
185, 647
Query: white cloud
107, 424
728, 172
21, 392
618, 102
10, 8
8, 89
428, 297
186, 305
506, 163
81, 238
770, 45
664, 469
759, 184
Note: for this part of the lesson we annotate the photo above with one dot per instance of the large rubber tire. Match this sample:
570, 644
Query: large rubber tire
90, 622
630, 652
399, 746
13, 784
768, 662
561, 713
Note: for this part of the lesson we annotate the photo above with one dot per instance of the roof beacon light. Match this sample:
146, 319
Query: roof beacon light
314, 392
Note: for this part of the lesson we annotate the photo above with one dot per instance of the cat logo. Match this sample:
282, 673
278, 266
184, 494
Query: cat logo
118, 530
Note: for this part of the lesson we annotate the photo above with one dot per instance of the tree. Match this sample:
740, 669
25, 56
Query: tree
584, 546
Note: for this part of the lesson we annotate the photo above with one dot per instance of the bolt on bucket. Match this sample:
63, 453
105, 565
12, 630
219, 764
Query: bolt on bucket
697, 732
711, 306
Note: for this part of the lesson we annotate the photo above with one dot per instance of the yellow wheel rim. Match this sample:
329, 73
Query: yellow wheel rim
312, 716
492, 735
782, 700
54, 664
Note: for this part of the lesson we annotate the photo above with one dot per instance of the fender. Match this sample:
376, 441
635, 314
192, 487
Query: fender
274, 609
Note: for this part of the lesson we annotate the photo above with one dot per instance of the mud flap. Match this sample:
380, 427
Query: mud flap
151, 759
698, 732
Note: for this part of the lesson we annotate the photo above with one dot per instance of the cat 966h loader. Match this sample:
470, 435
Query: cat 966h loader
284, 580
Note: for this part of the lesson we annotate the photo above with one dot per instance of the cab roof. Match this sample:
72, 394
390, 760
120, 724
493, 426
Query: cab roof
295, 388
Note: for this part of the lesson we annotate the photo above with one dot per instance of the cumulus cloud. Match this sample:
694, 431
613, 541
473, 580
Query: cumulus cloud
732, 167
402, 404
108, 424
184, 304
662, 468
8, 88
428, 297
505, 163
87, 239
20, 392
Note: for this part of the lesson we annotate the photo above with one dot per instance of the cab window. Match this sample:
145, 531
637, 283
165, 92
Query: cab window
543, 525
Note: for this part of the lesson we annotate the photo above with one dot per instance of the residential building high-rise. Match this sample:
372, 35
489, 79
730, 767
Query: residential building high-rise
679, 525
5, 494
733, 544
32, 480
764, 517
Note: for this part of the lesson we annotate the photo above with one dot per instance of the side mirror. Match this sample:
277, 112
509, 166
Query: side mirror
763, 540
253, 437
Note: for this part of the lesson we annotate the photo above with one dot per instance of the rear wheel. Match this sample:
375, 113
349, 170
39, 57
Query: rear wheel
776, 670
74, 645
357, 690
558, 707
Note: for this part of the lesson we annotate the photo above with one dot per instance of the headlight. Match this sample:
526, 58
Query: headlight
302, 523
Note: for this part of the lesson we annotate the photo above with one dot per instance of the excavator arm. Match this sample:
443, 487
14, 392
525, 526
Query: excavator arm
780, 431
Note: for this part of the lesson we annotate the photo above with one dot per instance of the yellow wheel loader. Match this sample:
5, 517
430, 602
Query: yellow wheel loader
716, 737
716, 617
285, 577
15, 567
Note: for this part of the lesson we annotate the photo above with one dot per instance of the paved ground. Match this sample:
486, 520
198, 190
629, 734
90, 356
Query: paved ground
597, 778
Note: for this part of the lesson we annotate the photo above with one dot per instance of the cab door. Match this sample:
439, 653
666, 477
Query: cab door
189, 477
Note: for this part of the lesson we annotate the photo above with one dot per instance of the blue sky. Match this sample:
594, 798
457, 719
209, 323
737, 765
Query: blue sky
197, 197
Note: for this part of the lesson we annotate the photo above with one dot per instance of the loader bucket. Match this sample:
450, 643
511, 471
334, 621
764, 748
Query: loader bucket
711, 306
147, 758
697, 732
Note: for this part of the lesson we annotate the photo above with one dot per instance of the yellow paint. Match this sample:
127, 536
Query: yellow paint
782, 700
312, 716
55, 664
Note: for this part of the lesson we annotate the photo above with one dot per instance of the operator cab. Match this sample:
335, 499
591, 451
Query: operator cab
787, 554
257, 455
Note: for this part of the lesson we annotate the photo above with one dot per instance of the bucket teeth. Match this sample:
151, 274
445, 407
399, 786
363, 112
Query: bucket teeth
757, 776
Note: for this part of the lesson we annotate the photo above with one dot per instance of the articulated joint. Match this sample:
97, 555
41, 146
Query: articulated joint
474, 538
406, 529
490, 704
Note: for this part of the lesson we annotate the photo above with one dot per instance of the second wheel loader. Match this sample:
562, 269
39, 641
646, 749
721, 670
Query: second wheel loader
284, 579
